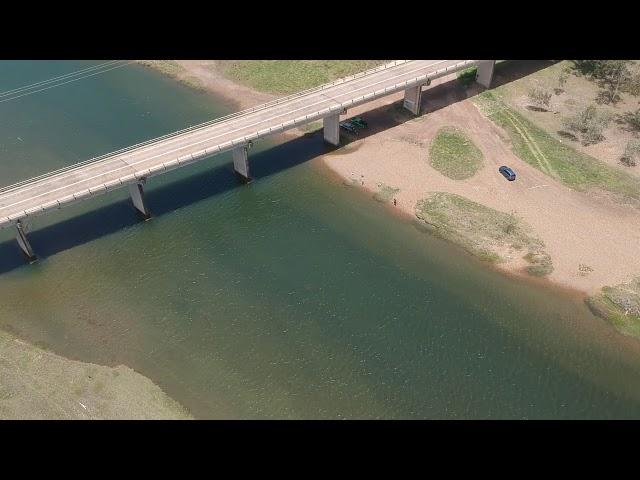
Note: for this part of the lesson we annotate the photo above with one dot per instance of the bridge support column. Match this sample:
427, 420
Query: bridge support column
25, 246
241, 163
332, 129
136, 191
412, 99
485, 72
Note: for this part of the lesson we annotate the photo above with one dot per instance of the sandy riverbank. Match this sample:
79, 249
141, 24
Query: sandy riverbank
590, 238
205, 75
578, 229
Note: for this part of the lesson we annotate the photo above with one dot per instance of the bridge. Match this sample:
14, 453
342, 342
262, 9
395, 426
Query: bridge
131, 167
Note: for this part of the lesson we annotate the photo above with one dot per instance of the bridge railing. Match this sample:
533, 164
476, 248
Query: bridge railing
207, 124
195, 156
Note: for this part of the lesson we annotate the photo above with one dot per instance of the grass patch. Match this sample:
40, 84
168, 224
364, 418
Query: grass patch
290, 76
467, 76
385, 193
482, 231
454, 155
540, 149
619, 305
541, 264
37, 384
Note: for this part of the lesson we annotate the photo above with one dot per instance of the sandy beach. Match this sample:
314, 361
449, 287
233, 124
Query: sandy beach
590, 237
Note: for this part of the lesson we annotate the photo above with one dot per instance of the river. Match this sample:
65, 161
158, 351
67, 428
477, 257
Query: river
293, 297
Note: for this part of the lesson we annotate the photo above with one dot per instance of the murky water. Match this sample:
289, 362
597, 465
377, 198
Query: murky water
293, 297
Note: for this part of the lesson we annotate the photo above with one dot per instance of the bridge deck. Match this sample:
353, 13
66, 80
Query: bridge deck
53, 190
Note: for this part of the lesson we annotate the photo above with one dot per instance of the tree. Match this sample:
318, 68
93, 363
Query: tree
540, 96
611, 75
562, 77
633, 119
584, 67
632, 86
562, 81
590, 123
615, 73
631, 153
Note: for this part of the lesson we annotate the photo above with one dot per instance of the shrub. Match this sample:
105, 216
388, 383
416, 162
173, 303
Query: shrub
631, 153
467, 76
540, 97
611, 75
589, 123
633, 119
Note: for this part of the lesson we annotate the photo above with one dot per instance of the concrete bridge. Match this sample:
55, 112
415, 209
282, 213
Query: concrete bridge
132, 166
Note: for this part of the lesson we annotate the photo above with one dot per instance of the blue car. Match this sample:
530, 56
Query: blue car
508, 173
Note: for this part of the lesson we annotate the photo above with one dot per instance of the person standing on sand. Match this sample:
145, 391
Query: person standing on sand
394, 202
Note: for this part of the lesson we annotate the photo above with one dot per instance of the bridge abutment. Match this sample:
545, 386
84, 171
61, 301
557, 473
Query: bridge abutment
485, 72
241, 163
23, 242
412, 99
332, 129
136, 191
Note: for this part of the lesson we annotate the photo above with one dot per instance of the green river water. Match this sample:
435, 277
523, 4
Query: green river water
293, 297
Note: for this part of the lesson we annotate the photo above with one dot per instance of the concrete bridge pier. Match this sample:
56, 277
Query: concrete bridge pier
412, 99
485, 72
241, 163
332, 129
136, 191
23, 242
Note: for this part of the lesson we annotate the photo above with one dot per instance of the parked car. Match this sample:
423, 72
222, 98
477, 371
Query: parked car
348, 126
508, 173
359, 122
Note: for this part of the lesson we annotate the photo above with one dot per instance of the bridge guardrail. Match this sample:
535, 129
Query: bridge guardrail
202, 125
190, 158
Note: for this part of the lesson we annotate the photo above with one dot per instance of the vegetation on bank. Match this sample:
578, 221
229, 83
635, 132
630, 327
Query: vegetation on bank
385, 193
540, 149
290, 76
483, 231
619, 305
454, 155
37, 384
467, 76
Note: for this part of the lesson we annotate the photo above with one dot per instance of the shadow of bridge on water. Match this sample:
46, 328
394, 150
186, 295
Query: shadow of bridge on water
86, 227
